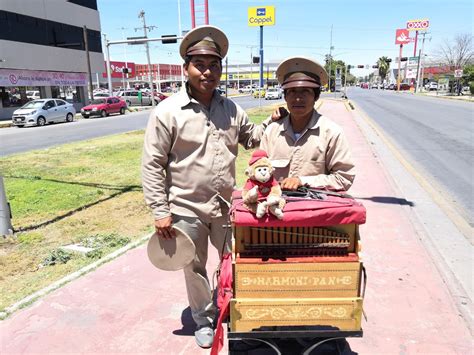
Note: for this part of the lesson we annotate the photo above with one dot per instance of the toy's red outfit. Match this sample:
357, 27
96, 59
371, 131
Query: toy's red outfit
264, 188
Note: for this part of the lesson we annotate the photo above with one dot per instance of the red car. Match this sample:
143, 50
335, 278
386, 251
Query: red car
104, 107
159, 95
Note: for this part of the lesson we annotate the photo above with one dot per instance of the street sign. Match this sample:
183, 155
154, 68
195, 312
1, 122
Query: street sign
136, 38
458, 73
402, 36
418, 25
412, 62
261, 16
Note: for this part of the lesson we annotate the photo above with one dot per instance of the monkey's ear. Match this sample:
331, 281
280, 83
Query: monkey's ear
248, 171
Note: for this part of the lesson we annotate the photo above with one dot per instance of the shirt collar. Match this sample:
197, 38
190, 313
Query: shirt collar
185, 99
312, 124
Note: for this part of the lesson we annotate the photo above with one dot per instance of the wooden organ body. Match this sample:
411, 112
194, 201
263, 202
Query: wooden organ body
303, 270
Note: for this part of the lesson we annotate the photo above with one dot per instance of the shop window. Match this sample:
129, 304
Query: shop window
13, 96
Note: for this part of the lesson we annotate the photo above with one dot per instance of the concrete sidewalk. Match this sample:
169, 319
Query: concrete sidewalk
128, 306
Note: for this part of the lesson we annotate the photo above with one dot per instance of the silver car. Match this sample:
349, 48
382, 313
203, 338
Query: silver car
41, 112
134, 97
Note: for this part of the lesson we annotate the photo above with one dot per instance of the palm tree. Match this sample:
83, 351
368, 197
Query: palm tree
384, 65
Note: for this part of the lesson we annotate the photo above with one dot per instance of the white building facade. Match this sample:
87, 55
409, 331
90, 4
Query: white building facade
42, 51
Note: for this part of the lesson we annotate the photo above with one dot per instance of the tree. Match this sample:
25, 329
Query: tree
457, 53
384, 66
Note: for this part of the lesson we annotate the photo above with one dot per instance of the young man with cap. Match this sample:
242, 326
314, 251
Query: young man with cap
188, 166
305, 147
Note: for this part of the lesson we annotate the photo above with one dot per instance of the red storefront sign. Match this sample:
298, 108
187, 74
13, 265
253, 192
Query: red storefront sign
402, 36
116, 69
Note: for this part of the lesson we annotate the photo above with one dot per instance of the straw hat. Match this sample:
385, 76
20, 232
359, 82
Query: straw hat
171, 254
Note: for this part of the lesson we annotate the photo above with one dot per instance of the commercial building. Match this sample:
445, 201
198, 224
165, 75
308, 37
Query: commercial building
42, 50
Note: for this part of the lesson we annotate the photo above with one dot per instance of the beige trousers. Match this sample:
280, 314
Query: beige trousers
197, 282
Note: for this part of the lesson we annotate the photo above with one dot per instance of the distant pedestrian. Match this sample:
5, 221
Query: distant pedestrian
188, 167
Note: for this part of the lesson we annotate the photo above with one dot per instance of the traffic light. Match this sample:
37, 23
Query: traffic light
125, 70
349, 67
403, 59
375, 66
164, 39
256, 60
360, 66
389, 60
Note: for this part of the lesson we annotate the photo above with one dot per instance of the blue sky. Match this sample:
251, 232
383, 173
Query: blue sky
362, 30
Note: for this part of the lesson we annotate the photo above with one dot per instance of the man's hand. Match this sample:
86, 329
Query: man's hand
291, 183
163, 228
279, 113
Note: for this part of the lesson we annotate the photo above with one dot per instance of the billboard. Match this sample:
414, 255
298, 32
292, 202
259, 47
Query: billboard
418, 25
402, 36
116, 69
261, 16
23, 77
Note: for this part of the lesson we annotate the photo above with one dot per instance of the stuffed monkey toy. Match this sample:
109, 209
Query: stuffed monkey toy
262, 191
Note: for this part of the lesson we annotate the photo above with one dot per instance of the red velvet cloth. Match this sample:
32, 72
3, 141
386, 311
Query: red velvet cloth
303, 212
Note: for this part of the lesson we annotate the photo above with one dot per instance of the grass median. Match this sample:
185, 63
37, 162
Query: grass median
86, 193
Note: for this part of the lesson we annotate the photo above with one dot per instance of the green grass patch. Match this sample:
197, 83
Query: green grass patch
87, 193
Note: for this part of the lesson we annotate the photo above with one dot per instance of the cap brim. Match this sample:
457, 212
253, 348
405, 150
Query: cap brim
198, 33
301, 64
171, 254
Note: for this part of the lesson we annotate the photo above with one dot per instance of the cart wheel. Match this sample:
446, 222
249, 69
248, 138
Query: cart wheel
337, 346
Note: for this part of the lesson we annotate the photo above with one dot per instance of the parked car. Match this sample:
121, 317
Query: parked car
41, 112
104, 107
259, 92
132, 97
431, 86
33, 94
403, 87
273, 93
160, 95
100, 95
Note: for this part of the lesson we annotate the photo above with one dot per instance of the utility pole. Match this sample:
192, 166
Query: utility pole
419, 75
86, 45
107, 58
5, 213
180, 33
330, 61
147, 47
125, 75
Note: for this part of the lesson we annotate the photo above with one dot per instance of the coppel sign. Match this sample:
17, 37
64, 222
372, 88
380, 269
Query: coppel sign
261, 16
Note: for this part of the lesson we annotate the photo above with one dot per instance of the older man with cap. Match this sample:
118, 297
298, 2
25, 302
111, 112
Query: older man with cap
188, 166
305, 147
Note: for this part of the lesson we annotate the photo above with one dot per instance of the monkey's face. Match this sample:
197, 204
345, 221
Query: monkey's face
262, 173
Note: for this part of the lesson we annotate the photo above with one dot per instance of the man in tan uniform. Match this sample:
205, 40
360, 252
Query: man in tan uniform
188, 167
305, 147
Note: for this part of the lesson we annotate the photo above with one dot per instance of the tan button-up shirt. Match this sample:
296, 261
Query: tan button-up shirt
189, 155
320, 157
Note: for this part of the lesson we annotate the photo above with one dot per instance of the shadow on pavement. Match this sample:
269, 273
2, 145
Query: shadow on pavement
187, 322
388, 199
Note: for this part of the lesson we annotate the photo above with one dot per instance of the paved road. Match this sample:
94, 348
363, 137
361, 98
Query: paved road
435, 135
17, 140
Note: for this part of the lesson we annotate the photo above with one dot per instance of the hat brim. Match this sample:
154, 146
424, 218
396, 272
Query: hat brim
198, 33
301, 64
171, 254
